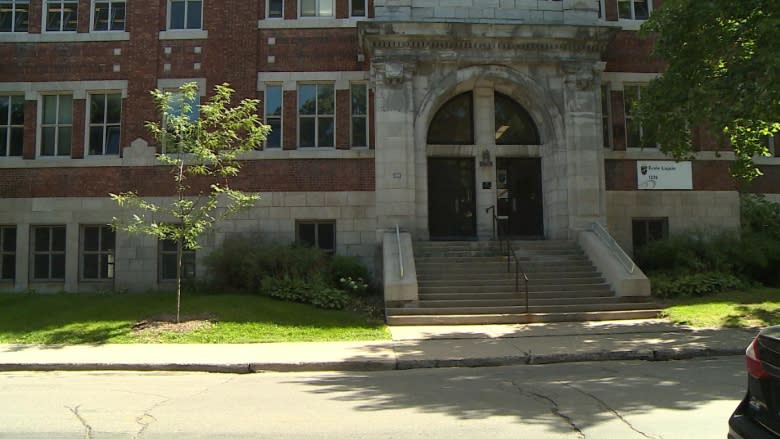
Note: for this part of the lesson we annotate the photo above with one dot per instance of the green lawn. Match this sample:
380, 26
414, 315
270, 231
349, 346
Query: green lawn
109, 318
752, 308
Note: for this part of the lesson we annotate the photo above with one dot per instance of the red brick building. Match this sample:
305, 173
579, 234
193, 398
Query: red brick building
420, 113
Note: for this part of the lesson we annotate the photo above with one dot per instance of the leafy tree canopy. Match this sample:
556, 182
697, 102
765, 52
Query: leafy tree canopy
723, 74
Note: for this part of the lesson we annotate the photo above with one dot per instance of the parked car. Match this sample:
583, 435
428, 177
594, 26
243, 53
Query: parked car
758, 415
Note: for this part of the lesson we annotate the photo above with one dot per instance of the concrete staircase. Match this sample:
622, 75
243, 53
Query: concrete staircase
466, 282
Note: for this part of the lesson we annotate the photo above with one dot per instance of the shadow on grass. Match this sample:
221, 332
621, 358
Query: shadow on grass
109, 318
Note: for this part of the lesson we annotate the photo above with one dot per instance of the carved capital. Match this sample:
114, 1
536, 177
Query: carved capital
393, 73
582, 76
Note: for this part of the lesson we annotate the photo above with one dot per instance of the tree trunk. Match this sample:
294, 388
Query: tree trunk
179, 257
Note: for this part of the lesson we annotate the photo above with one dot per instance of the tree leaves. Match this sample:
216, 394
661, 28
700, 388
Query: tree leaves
723, 74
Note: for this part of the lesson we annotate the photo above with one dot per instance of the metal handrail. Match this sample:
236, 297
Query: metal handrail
400, 253
610, 242
510, 254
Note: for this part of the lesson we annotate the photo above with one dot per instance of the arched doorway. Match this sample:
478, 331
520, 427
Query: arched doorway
480, 126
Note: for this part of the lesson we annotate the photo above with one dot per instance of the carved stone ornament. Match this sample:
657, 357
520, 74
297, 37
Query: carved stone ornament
395, 73
582, 76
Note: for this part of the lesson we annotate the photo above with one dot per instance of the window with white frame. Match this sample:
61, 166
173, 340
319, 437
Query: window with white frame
185, 14
316, 8
7, 252
168, 249
275, 9
359, 114
606, 116
180, 106
108, 15
273, 115
14, 15
61, 15
316, 115
97, 252
318, 234
56, 125
11, 125
357, 8
48, 256
636, 135
634, 9
105, 119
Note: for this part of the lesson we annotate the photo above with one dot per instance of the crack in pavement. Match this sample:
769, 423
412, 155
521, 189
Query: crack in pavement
147, 419
554, 409
87, 427
617, 414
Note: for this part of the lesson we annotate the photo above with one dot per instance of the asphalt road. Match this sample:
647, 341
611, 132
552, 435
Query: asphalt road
675, 399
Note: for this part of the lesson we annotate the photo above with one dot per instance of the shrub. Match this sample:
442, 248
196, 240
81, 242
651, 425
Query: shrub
329, 298
694, 285
344, 267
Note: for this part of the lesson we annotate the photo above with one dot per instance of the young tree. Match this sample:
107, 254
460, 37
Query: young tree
723, 74
202, 144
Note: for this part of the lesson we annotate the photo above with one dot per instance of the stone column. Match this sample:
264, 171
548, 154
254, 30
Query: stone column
485, 159
394, 153
585, 153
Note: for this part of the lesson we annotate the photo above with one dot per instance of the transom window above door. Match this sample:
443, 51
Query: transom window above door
454, 122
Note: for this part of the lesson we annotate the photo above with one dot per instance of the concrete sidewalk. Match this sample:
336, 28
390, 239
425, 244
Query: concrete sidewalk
411, 347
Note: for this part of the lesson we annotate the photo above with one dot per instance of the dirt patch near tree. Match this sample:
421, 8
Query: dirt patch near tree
167, 323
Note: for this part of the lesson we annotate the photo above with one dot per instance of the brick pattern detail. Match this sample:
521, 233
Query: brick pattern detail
310, 50
767, 183
343, 119
342, 8
35, 17
618, 121
78, 140
708, 175
371, 119
611, 12
315, 175
290, 120
84, 16
290, 9
627, 52
30, 129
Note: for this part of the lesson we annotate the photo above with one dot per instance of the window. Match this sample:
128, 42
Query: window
167, 261
109, 15
11, 125
179, 106
48, 252
513, 124
453, 124
275, 8
649, 229
57, 125
97, 252
62, 15
359, 111
104, 123
316, 8
273, 115
606, 116
636, 135
7, 253
318, 234
357, 8
14, 15
185, 14
634, 9
316, 124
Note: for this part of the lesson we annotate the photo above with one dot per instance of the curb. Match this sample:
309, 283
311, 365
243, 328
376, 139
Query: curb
383, 365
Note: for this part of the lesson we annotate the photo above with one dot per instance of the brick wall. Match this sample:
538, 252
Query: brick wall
309, 175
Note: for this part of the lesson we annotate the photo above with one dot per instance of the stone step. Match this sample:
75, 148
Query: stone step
467, 310
533, 295
519, 300
503, 281
510, 287
421, 260
486, 319
499, 267
502, 274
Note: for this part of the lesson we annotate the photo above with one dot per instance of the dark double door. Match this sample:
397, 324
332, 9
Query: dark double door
452, 204
519, 196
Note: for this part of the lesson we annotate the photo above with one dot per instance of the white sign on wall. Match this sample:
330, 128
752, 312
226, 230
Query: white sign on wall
660, 175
